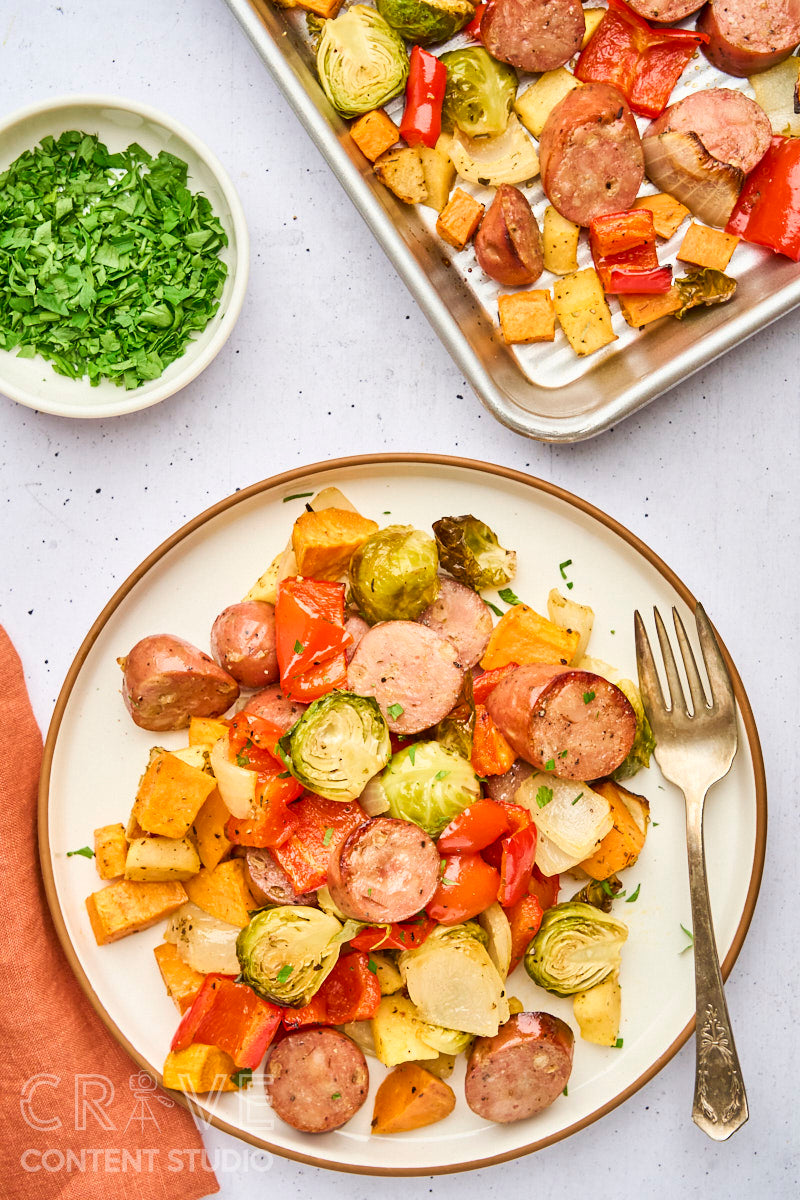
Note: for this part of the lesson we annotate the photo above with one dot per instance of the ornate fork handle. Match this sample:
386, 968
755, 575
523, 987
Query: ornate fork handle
720, 1103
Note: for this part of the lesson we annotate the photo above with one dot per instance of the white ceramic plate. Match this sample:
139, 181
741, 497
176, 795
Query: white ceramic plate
117, 122
95, 755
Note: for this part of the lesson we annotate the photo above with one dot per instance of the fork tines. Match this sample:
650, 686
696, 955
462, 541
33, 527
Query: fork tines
720, 686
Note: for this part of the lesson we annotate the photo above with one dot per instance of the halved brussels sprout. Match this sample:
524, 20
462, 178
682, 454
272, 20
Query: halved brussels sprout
577, 947
427, 21
480, 92
429, 785
361, 61
454, 983
394, 574
287, 953
456, 730
644, 743
338, 744
471, 553
599, 893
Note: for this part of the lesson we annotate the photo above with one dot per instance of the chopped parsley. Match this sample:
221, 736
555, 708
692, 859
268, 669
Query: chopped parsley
634, 894
242, 760
550, 765
299, 647
84, 852
336, 1095
297, 496
508, 596
563, 754
412, 754
606, 887
441, 775
395, 711
588, 697
498, 612
690, 943
618, 1044
563, 567
577, 798
543, 796
565, 1091
326, 838
284, 973
285, 775
243, 1077
372, 965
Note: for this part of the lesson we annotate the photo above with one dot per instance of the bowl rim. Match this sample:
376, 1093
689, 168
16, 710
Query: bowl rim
238, 238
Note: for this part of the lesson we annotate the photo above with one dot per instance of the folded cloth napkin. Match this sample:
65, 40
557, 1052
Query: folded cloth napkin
63, 1137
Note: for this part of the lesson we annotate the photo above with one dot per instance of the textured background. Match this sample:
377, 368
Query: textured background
331, 357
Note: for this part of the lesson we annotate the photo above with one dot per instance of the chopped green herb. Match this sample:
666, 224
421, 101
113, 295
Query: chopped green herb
448, 882
242, 760
618, 1044
570, 585
634, 894
284, 973
588, 697
109, 265
577, 798
606, 887
498, 612
387, 512
299, 647
84, 852
412, 754
654, 823
243, 1077
284, 775
565, 1091
395, 711
441, 775
543, 796
326, 837
442, 866
508, 596
369, 891
550, 765
297, 496
372, 965
562, 567
690, 943
336, 1095
613, 631
563, 754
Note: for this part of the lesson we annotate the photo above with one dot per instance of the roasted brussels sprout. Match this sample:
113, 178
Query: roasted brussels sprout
429, 785
577, 947
338, 744
286, 953
480, 92
427, 21
393, 574
600, 893
361, 61
456, 730
454, 983
644, 742
704, 287
471, 553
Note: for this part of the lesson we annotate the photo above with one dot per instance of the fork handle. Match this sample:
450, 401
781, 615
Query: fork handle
720, 1103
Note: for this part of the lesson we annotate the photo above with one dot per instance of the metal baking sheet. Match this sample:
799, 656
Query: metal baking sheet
542, 391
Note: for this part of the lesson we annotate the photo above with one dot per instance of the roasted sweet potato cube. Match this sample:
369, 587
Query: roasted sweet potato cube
459, 219
642, 308
110, 851
181, 981
668, 213
410, 1098
223, 892
527, 317
126, 907
321, 8
706, 247
523, 636
199, 1069
623, 843
209, 831
325, 541
170, 795
205, 731
374, 133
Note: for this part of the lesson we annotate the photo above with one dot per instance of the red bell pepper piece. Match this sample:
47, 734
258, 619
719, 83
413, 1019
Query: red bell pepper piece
231, 1016
475, 828
320, 825
623, 247
491, 753
406, 936
768, 209
625, 281
642, 62
272, 821
524, 917
310, 640
487, 681
516, 868
350, 993
422, 116
473, 30
255, 740
467, 885
616, 232
544, 888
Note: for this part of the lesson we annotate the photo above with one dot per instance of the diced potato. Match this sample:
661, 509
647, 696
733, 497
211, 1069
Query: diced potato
321, 8
126, 907
386, 973
223, 892
171, 793
593, 18
205, 731
199, 1069
559, 242
440, 174
623, 843
374, 133
668, 213
266, 586
157, 859
515, 1006
598, 1012
459, 219
534, 105
570, 615
411, 1098
523, 636
110, 851
209, 831
397, 1031
401, 171
640, 308
583, 312
706, 247
324, 542
181, 981
527, 317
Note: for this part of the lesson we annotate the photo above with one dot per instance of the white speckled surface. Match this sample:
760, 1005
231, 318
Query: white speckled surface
331, 357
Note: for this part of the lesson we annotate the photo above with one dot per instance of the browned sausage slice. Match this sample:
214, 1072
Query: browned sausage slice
748, 36
522, 1069
413, 673
577, 724
356, 626
731, 126
272, 705
268, 881
534, 35
243, 642
461, 615
316, 1079
590, 154
385, 870
508, 244
167, 681
665, 12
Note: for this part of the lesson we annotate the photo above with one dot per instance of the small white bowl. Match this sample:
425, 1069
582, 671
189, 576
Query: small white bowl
117, 123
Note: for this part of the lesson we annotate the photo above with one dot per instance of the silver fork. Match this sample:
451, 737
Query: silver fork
695, 749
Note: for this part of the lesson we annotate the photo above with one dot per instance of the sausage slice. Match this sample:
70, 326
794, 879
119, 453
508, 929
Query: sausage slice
316, 1079
461, 615
272, 705
243, 642
269, 883
534, 35
748, 36
731, 126
167, 681
522, 1069
385, 870
665, 12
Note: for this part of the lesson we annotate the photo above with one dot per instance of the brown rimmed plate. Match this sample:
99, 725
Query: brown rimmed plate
94, 756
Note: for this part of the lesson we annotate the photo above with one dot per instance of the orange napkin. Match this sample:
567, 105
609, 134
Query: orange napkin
142, 1145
